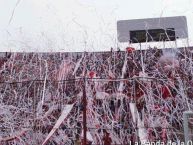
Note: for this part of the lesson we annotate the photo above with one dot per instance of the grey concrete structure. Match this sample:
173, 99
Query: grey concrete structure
179, 23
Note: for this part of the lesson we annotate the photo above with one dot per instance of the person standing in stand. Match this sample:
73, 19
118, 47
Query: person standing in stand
106, 139
77, 141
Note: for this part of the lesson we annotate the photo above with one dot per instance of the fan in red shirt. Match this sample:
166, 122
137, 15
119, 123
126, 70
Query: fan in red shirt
91, 74
130, 49
168, 63
106, 139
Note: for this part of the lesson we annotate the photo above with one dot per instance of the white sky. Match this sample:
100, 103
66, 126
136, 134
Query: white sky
77, 25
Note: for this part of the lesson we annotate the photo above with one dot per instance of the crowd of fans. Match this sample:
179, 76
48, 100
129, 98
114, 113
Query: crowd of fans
158, 81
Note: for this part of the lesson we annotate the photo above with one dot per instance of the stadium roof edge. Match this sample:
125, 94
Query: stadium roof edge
2, 54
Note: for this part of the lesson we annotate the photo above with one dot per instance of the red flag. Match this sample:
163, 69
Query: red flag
165, 92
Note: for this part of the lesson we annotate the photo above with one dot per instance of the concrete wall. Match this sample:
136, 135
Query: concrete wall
125, 26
